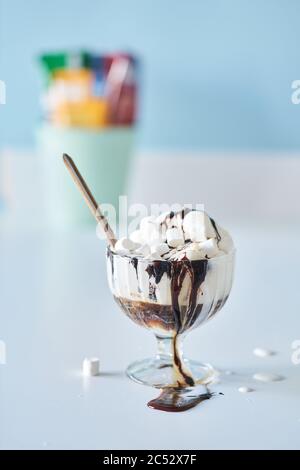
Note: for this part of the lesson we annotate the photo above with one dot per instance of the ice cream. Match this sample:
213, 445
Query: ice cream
196, 236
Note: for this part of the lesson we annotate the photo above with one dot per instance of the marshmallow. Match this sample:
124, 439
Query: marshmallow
197, 226
161, 248
245, 389
125, 245
226, 243
266, 377
175, 237
178, 256
137, 237
193, 246
165, 221
155, 256
149, 229
262, 352
193, 226
163, 217
90, 367
209, 247
192, 254
143, 250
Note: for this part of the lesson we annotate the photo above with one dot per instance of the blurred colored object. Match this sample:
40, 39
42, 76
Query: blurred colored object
89, 108
86, 113
90, 91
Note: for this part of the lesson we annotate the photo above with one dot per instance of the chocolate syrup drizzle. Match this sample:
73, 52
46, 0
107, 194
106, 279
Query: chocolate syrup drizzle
110, 255
177, 271
218, 236
134, 262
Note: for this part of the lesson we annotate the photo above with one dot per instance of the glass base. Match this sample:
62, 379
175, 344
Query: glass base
159, 372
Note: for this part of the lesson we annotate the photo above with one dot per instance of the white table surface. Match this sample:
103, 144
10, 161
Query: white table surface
55, 309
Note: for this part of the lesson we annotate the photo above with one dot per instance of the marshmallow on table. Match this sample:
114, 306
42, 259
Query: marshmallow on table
262, 352
90, 366
245, 389
174, 237
267, 377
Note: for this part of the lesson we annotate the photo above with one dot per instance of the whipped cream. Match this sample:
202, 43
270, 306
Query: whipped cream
186, 234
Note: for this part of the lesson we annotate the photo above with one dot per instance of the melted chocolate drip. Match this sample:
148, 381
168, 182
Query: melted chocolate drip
152, 292
179, 399
184, 318
178, 272
188, 379
157, 269
216, 230
110, 255
197, 270
173, 214
134, 262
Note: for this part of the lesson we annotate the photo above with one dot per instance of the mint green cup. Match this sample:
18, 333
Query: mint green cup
103, 157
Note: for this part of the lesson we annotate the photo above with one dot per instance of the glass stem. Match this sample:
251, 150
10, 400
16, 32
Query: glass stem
165, 348
170, 353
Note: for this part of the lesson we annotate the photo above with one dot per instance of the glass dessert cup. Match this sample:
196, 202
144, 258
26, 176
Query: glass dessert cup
170, 298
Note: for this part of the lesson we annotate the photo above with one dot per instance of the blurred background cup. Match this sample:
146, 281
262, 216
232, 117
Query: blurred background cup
103, 158
89, 112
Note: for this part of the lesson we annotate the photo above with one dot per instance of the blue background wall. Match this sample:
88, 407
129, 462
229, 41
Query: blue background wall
217, 74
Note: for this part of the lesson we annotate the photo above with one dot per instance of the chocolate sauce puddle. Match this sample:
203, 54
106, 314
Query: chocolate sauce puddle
180, 399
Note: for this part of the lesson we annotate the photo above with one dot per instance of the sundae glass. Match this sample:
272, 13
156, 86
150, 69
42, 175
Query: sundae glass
171, 276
